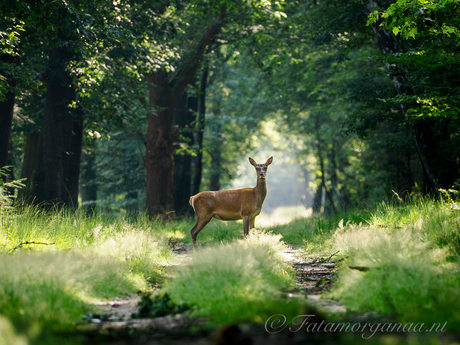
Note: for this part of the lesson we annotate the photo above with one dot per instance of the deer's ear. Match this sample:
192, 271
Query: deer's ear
269, 161
252, 161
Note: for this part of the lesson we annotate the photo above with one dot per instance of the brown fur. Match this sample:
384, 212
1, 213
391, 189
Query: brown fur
227, 205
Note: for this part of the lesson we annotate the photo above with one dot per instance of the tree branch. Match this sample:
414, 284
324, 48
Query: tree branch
190, 67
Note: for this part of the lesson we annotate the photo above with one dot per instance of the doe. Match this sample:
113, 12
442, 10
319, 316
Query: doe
237, 204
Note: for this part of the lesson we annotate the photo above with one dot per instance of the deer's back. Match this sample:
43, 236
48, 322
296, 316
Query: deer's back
224, 204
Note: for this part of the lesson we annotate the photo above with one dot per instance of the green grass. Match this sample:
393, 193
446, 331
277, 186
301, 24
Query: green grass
411, 251
49, 287
239, 281
312, 234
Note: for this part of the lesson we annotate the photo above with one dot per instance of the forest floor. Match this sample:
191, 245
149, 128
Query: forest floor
314, 277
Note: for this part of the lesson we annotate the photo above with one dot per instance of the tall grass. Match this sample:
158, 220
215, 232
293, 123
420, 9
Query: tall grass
8, 335
413, 265
240, 281
313, 234
49, 287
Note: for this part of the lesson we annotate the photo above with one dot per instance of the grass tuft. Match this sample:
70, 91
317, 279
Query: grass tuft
240, 281
411, 275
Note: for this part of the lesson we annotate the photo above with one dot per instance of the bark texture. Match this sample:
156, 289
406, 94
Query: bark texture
160, 146
184, 116
73, 159
200, 121
50, 183
88, 181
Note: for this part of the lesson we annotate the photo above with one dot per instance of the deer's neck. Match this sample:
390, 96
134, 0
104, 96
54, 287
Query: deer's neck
261, 189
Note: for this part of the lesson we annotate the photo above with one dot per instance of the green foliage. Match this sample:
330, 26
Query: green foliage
414, 18
427, 59
6, 199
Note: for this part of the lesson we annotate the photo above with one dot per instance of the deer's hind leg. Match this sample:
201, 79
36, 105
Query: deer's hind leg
200, 224
246, 222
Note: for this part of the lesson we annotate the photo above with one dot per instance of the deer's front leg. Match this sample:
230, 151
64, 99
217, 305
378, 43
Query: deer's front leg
252, 223
246, 225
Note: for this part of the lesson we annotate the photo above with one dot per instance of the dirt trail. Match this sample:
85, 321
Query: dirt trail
315, 276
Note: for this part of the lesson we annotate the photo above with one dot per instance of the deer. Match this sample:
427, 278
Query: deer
228, 205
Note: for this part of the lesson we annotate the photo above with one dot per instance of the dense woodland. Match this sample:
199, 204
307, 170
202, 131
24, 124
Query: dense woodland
139, 104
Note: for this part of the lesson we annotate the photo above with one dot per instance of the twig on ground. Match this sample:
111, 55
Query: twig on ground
359, 268
30, 242
345, 257
329, 258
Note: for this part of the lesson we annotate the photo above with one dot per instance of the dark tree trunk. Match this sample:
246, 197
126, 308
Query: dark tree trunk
198, 159
322, 166
6, 113
318, 199
160, 146
333, 170
215, 150
32, 132
88, 181
49, 183
427, 142
29, 163
163, 96
407, 178
184, 115
72, 170
216, 165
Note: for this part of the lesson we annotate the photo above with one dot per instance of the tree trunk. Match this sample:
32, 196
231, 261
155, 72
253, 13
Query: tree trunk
198, 159
333, 169
407, 178
215, 150
6, 113
160, 146
32, 133
216, 165
322, 167
72, 171
29, 162
318, 199
49, 181
88, 181
184, 114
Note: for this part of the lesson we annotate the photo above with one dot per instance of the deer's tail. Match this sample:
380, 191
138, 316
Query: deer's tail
192, 201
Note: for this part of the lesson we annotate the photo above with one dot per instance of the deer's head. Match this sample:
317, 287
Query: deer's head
261, 169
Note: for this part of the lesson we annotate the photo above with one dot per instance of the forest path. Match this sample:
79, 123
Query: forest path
314, 277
